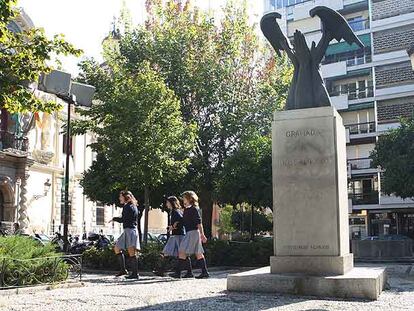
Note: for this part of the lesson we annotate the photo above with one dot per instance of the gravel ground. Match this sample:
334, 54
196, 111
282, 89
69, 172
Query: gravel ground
154, 293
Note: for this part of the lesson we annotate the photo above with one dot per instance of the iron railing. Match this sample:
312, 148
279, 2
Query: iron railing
365, 198
360, 163
15, 273
357, 93
361, 128
360, 24
9, 140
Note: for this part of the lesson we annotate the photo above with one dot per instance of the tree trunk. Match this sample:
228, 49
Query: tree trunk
147, 205
251, 224
206, 205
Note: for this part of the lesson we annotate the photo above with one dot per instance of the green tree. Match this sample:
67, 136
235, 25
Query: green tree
23, 57
226, 225
261, 222
222, 76
394, 154
247, 173
225, 84
142, 140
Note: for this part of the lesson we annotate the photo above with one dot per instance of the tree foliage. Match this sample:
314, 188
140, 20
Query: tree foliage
226, 225
226, 82
247, 173
141, 139
241, 219
394, 154
23, 57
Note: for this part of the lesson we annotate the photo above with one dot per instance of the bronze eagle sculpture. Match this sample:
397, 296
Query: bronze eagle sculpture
307, 89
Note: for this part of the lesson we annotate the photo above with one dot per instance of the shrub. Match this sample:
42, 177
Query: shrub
25, 262
105, 259
218, 253
248, 254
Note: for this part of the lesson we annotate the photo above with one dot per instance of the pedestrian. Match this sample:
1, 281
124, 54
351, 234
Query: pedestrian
176, 228
194, 236
127, 246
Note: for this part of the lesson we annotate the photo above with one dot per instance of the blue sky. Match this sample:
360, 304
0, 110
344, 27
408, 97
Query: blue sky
85, 23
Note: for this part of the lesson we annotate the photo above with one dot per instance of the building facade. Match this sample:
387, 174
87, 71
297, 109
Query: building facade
32, 172
32, 159
371, 88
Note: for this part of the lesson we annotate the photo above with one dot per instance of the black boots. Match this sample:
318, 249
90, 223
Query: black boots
122, 268
183, 264
161, 266
189, 268
133, 265
180, 267
203, 266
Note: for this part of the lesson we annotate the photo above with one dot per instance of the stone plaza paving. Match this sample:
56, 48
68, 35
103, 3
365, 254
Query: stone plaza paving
103, 292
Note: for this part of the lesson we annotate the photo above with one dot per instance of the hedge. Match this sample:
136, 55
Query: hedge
218, 253
25, 262
241, 254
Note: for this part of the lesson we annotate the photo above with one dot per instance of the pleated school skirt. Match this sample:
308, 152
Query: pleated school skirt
128, 238
172, 246
191, 243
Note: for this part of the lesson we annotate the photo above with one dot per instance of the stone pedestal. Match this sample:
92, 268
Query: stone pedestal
310, 193
360, 282
310, 208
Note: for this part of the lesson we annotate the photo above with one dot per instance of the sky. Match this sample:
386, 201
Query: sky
85, 23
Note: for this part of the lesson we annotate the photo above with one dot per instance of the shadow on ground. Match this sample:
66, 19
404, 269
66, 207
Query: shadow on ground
239, 301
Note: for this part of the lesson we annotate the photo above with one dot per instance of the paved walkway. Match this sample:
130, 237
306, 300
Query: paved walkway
153, 293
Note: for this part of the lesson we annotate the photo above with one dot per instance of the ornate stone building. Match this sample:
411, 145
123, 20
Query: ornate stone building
32, 158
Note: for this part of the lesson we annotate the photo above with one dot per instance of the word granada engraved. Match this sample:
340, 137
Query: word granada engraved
304, 133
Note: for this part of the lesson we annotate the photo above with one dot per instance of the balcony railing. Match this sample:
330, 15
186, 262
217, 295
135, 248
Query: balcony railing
355, 94
358, 25
365, 198
361, 163
9, 140
361, 128
352, 58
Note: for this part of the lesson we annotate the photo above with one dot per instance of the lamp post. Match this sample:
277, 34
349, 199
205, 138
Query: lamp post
46, 188
410, 52
60, 83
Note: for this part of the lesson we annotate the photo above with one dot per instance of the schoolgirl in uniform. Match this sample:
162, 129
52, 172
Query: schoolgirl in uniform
176, 228
194, 236
177, 234
128, 243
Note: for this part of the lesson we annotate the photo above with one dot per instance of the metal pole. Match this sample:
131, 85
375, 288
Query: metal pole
251, 224
146, 200
66, 218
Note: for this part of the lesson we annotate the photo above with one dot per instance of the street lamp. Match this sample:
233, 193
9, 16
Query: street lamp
46, 188
60, 83
410, 52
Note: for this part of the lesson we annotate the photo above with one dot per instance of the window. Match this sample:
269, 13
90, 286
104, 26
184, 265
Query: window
100, 216
278, 4
354, 90
352, 58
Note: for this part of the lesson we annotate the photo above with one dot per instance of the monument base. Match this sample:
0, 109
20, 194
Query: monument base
312, 265
360, 282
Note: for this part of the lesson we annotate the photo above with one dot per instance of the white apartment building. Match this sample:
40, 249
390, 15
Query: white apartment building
371, 88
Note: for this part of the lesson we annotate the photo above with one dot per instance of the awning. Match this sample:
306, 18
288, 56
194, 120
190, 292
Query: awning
361, 106
343, 47
353, 73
